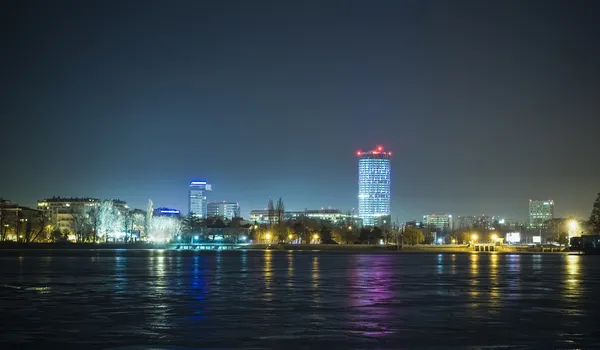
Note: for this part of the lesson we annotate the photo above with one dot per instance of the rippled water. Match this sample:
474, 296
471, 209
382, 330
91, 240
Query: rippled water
294, 300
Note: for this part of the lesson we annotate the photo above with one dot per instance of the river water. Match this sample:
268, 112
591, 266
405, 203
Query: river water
296, 300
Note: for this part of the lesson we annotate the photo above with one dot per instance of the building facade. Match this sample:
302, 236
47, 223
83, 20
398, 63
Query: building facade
197, 198
540, 211
335, 216
59, 210
226, 210
17, 223
440, 222
374, 196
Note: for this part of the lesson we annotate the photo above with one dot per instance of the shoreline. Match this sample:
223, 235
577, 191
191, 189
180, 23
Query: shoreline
321, 248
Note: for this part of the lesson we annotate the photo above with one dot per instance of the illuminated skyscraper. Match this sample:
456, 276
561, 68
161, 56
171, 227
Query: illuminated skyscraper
374, 198
197, 200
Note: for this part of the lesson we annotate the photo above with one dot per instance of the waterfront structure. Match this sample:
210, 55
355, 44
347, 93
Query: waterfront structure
374, 197
59, 210
440, 222
197, 198
169, 212
224, 209
540, 211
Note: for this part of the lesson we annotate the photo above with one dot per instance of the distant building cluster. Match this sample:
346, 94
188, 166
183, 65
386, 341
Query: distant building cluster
114, 219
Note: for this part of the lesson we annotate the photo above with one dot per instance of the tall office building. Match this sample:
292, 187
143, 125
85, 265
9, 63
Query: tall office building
197, 200
226, 210
374, 198
441, 222
540, 212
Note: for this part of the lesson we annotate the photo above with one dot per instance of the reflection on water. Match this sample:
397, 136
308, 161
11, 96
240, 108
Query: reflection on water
268, 275
290, 269
371, 289
315, 272
572, 278
273, 299
474, 265
494, 294
440, 265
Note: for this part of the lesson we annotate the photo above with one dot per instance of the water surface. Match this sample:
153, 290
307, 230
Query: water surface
297, 300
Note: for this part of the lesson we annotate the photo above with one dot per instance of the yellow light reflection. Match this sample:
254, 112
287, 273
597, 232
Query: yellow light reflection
315, 279
454, 264
315, 272
290, 274
494, 289
572, 276
268, 275
474, 260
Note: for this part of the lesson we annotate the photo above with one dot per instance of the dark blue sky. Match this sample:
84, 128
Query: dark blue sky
485, 104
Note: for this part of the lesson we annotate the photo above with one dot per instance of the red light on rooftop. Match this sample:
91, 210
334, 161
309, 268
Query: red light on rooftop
358, 153
390, 153
379, 148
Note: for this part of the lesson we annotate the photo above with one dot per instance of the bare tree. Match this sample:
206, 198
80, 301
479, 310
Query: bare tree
94, 220
271, 212
280, 213
79, 224
280, 210
41, 223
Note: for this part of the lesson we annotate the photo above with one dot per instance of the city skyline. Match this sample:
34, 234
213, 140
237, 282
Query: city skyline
484, 105
524, 219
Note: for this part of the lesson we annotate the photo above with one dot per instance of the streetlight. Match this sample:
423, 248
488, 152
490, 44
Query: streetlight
268, 236
573, 228
349, 228
494, 237
474, 237
573, 225
315, 237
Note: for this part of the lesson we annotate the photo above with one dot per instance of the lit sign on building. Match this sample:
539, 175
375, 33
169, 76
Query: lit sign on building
170, 211
513, 237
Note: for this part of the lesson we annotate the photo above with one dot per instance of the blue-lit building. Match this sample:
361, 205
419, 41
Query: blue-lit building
166, 212
197, 198
374, 198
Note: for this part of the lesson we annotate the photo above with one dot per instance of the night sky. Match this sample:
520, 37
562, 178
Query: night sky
484, 104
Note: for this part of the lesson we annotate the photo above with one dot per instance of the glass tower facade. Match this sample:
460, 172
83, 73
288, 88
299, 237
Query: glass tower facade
197, 200
374, 198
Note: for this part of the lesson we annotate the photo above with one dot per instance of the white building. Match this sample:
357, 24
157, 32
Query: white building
226, 210
59, 211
